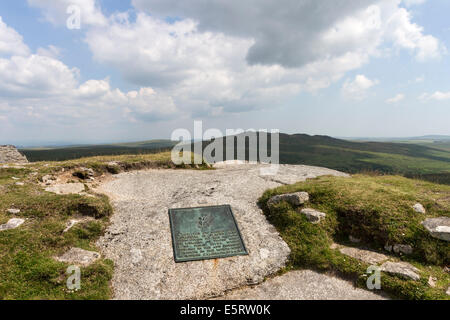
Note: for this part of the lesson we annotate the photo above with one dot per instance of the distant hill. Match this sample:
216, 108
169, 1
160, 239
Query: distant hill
407, 159
75, 152
430, 161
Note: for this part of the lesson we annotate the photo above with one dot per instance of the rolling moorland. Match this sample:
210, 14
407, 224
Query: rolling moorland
361, 206
426, 158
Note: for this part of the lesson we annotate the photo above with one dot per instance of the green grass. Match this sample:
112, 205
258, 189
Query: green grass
376, 209
27, 267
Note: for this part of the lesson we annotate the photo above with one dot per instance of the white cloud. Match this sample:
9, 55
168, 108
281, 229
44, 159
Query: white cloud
11, 42
408, 35
221, 57
40, 88
437, 96
399, 97
357, 89
56, 11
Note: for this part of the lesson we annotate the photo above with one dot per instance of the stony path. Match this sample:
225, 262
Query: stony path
139, 239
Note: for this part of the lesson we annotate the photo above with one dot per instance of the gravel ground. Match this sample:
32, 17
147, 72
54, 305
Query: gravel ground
139, 240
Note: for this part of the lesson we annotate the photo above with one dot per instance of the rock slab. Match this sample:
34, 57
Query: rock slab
402, 269
68, 188
366, 256
139, 238
304, 285
79, 256
12, 224
438, 228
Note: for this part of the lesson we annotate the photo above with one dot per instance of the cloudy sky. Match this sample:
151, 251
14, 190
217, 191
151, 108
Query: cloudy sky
139, 69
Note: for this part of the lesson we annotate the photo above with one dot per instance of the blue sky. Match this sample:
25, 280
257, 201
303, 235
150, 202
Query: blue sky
138, 70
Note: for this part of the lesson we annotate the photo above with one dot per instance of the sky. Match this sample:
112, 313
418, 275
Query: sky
97, 71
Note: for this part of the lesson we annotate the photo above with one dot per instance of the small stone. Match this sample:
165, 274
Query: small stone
15, 178
353, 239
438, 228
12, 224
403, 248
419, 208
388, 247
47, 179
402, 269
367, 256
312, 215
20, 184
13, 211
432, 282
448, 291
295, 199
79, 256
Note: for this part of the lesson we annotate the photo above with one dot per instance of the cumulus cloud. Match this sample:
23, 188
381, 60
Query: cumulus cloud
410, 36
11, 42
293, 33
217, 56
399, 97
357, 89
39, 87
56, 11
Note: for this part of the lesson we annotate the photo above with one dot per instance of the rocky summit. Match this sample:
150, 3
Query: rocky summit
9, 154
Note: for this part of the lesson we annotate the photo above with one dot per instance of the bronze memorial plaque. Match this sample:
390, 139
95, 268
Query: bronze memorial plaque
205, 233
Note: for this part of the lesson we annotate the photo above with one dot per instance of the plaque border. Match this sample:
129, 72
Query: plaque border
178, 260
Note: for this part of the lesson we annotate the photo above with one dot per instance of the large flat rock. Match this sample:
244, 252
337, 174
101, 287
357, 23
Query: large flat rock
439, 228
139, 238
304, 285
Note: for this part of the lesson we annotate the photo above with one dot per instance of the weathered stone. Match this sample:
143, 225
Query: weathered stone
366, 256
432, 282
79, 256
402, 269
69, 188
403, 248
419, 208
448, 291
439, 228
388, 247
353, 239
9, 154
12, 224
13, 211
312, 215
295, 199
